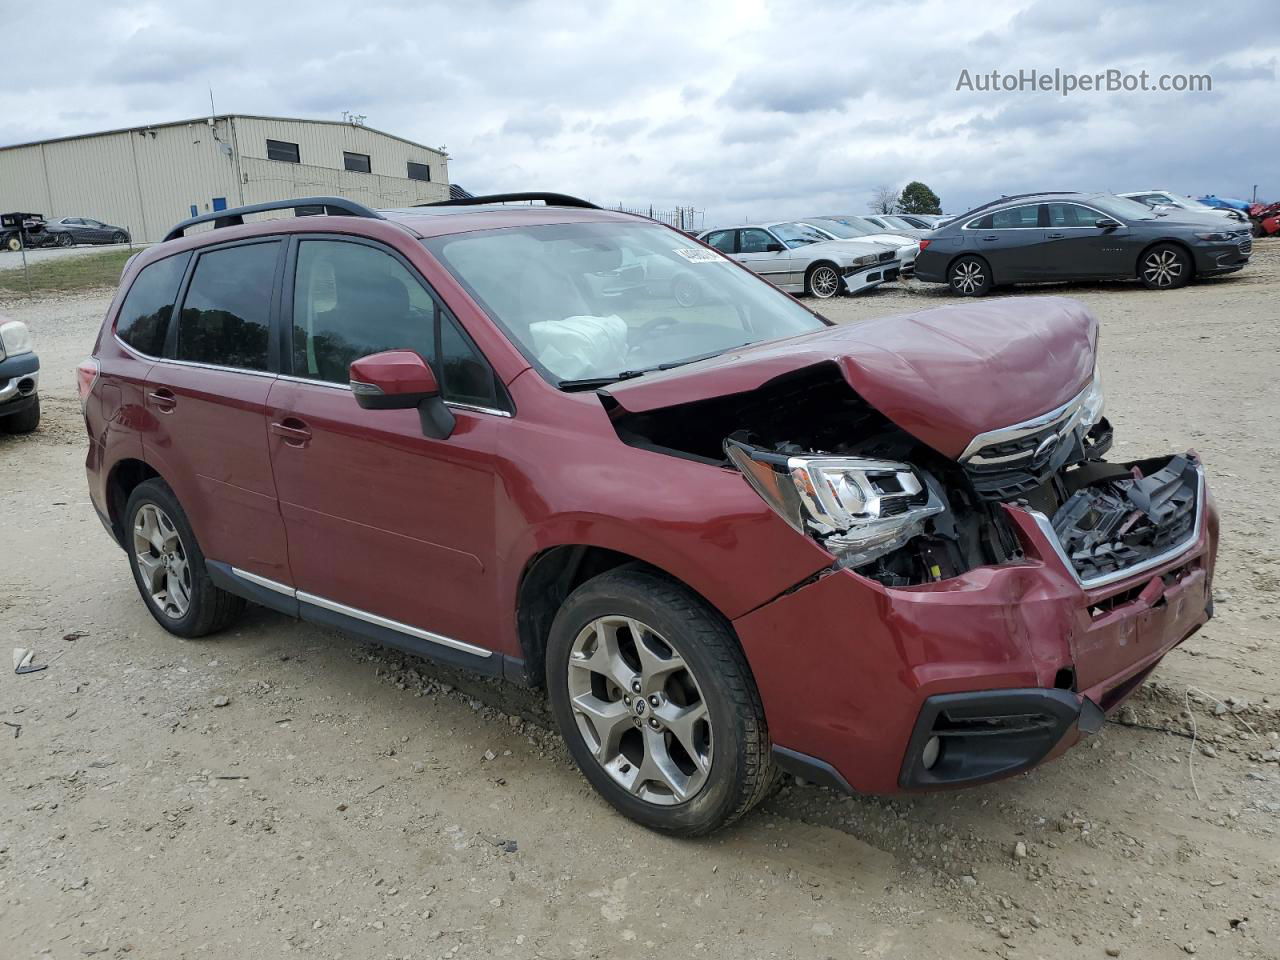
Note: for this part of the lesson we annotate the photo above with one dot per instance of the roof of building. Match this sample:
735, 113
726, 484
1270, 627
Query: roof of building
220, 116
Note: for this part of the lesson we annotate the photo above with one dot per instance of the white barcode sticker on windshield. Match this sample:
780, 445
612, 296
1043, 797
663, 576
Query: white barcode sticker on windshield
699, 255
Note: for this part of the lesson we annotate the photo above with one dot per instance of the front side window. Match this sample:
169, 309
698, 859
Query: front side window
590, 302
754, 241
283, 150
144, 316
226, 312
356, 162
350, 301
843, 229
1071, 215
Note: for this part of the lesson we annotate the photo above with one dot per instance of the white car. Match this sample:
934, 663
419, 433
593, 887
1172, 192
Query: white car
853, 229
1155, 199
802, 259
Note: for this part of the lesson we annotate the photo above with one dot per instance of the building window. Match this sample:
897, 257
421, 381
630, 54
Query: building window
419, 171
282, 150
359, 162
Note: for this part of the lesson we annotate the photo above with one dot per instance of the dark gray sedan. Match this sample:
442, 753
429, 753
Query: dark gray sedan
1076, 236
68, 231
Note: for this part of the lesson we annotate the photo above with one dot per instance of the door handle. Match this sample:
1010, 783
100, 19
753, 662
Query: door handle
990, 238
1055, 236
293, 431
163, 400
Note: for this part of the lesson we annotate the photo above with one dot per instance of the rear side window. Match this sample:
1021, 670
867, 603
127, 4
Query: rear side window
1071, 215
722, 240
144, 316
225, 317
1015, 217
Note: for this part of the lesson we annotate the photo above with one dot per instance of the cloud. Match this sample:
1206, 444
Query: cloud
750, 108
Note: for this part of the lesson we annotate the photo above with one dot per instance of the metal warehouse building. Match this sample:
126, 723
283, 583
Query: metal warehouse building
148, 178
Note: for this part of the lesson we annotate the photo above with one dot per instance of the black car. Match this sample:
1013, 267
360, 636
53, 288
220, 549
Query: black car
67, 231
1076, 236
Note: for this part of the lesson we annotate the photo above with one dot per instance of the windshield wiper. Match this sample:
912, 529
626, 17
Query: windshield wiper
592, 383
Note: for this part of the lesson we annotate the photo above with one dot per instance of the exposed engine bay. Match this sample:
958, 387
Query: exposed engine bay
894, 509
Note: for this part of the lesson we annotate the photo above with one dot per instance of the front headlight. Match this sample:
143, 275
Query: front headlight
1094, 402
15, 338
860, 509
866, 260
1214, 237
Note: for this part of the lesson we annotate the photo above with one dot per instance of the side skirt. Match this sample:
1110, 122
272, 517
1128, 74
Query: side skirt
367, 626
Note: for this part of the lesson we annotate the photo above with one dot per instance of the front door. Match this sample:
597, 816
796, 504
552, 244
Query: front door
763, 253
206, 429
385, 525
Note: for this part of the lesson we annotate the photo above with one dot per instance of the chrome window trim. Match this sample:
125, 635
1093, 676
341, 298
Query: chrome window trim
1016, 431
358, 614
138, 354
1046, 528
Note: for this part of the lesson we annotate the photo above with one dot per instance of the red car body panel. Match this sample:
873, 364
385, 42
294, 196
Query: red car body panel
358, 507
943, 375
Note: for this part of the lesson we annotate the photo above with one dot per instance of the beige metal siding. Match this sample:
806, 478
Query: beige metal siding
147, 179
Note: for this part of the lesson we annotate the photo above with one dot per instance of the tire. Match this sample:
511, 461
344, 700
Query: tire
119, 237
13, 243
1165, 266
153, 507
24, 422
685, 291
970, 277
66, 240
823, 281
633, 752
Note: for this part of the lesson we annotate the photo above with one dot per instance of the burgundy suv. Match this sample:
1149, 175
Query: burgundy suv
574, 447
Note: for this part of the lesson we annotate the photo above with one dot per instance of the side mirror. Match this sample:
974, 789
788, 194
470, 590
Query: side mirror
773, 248
1106, 223
401, 380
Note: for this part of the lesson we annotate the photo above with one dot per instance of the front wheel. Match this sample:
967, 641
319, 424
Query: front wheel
169, 567
1164, 267
970, 277
657, 704
823, 281
118, 237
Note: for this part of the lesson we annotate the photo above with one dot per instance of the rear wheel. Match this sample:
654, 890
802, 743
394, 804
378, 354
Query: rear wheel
65, 240
24, 422
13, 243
970, 277
169, 568
1164, 267
657, 704
822, 281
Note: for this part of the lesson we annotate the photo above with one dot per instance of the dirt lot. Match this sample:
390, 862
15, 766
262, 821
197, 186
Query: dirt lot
346, 802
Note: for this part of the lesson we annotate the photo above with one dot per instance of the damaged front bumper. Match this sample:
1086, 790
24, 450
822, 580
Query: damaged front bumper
1001, 667
858, 280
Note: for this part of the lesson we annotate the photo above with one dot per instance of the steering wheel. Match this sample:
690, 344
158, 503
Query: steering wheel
654, 327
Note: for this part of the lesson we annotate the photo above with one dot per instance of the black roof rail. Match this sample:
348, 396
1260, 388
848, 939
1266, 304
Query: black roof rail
550, 199
234, 216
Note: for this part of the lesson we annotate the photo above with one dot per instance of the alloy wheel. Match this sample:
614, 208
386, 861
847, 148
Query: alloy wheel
639, 710
1163, 268
162, 561
824, 282
968, 276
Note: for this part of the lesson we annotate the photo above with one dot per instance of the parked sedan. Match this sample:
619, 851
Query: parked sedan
1173, 204
1076, 236
892, 224
859, 230
69, 231
801, 259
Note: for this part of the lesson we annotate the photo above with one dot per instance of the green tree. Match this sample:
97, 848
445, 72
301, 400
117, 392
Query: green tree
917, 198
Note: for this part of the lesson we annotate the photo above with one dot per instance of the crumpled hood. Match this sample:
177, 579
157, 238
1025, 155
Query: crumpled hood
943, 375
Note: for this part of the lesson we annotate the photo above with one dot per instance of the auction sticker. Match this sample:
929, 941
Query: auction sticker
699, 255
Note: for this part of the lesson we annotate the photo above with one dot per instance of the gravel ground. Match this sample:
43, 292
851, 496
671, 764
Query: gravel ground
345, 801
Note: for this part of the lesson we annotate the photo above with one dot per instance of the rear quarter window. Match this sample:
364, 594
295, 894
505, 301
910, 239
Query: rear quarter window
144, 316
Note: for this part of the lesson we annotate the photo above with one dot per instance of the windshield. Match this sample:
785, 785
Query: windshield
842, 228
603, 301
797, 234
899, 223
1124, 208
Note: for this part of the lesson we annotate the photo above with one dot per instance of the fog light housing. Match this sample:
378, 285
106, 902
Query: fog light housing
929, 754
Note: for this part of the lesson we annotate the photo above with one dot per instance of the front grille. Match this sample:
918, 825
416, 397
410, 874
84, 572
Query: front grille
886, 255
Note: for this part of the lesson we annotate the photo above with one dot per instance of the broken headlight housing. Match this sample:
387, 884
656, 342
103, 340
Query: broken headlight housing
858, 508
1092, 405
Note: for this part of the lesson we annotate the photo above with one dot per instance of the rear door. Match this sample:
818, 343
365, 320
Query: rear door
384, 524
754, 253
205, 405
1012, 241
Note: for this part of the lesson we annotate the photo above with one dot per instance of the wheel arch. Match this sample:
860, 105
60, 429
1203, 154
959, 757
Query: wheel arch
124, 478
976, 256
551, 575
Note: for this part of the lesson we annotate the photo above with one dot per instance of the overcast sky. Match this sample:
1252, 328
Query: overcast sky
748, 110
